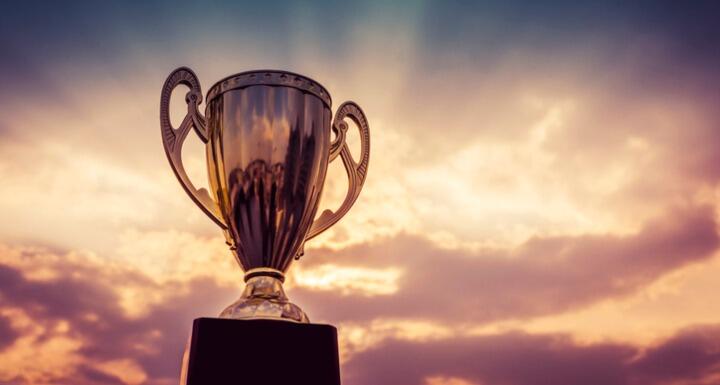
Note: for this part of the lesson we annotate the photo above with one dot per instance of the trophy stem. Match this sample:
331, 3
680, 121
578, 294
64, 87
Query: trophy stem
264, 298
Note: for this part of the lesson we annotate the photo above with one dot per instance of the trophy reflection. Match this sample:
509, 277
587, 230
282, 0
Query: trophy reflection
268, 145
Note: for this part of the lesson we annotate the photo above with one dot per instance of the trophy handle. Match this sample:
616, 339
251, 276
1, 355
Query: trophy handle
356, 171
173, 138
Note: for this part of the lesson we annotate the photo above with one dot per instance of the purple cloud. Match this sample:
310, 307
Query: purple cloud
7, 333
692, 354
523, 359
543, 276
112, 334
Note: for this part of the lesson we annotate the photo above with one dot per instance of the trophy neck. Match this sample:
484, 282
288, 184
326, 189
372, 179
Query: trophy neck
264, 272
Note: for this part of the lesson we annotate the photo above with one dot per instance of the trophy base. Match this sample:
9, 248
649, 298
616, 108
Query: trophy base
264, 298
236, 352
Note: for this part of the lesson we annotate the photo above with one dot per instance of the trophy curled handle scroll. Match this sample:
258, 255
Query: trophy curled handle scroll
356, 171
174, 138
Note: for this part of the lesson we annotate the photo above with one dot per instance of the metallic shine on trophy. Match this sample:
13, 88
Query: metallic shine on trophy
268, 145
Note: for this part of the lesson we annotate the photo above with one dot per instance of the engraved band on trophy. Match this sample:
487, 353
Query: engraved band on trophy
268, 144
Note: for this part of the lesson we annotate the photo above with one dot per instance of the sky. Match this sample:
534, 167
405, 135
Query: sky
541, 205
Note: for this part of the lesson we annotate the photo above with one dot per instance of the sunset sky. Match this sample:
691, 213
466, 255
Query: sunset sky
541, 205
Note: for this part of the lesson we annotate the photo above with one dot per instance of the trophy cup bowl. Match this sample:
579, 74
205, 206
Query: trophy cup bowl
268, 144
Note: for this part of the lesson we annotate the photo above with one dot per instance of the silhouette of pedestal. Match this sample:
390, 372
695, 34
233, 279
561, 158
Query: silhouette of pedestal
262, 352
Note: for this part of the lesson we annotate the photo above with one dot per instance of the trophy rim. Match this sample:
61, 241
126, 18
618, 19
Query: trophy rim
269, 77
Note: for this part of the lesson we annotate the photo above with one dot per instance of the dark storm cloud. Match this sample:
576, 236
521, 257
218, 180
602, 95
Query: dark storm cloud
523, 359
543, 276
155, 340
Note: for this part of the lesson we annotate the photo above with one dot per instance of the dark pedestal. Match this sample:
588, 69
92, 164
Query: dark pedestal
262, 352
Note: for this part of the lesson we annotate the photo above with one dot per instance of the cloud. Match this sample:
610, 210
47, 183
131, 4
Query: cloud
74, 316
536, 141
513, 359
571, 124
7, 333
524, 359
691, 354
543, 276
74, 313
80, 307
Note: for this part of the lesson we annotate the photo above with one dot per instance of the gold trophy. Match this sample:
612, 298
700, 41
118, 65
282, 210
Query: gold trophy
268, 145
